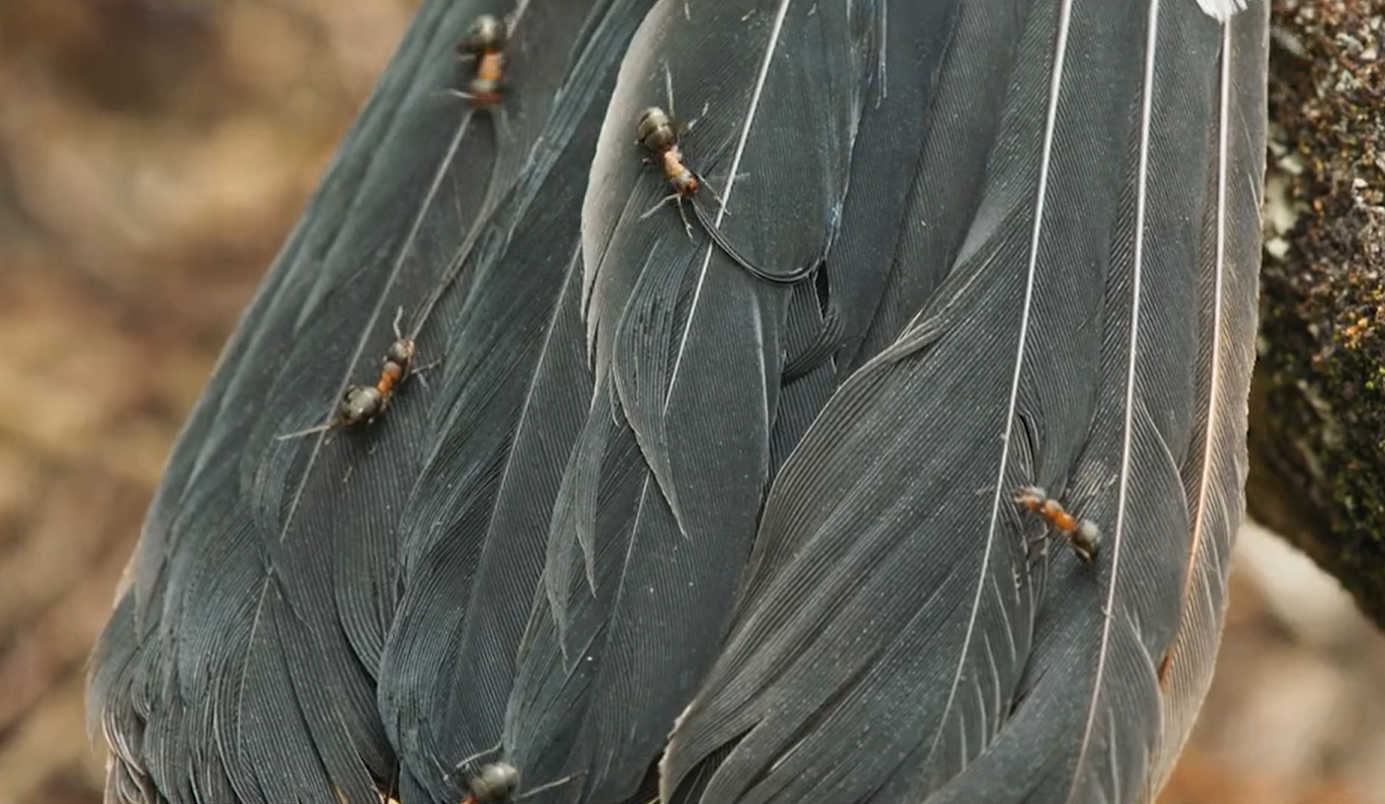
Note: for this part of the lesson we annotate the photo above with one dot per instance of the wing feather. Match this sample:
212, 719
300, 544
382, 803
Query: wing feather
1214, 475
512, 379
889, 594
664, 486
1037, 227
1093, 696
887, 615
261, 599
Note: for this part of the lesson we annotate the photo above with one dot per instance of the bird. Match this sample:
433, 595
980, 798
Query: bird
656, 528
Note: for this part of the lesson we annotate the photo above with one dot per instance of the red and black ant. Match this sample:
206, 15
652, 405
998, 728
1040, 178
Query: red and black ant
362, 404
1082, 534
657, 133
497, 782
485, 43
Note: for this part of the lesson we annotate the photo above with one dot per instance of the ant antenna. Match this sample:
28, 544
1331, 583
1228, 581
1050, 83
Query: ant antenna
466, 763
549, 786
668, 91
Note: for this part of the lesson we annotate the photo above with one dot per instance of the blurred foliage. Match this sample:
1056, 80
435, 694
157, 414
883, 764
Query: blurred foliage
153, 155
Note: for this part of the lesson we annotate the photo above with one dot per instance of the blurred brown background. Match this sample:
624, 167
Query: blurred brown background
153, 155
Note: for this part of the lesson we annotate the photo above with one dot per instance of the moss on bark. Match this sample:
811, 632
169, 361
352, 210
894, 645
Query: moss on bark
1318, 403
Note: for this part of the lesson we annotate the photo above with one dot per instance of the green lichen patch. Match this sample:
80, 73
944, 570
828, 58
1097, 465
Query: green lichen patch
1320, 414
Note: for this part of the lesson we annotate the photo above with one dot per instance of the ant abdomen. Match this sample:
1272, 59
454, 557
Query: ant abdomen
655, 131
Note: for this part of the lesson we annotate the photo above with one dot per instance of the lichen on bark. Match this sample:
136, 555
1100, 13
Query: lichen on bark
1318, 404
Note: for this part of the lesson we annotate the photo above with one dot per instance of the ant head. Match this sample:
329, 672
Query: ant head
655, 131
401, 352
1028, 495
487, 34
496, 782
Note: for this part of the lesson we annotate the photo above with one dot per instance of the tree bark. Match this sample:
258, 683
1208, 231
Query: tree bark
1317, 433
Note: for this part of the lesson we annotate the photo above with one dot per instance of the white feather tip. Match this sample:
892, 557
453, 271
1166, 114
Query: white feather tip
1221, 10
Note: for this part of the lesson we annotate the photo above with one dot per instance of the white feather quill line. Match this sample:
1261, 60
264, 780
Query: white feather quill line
1059, 60
1216, 513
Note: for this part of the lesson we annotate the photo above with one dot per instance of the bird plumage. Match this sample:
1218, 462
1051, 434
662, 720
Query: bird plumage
961, 679
660, 495
654, 522
464, 567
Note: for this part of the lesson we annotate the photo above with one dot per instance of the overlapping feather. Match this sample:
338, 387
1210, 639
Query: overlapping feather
470, 562
1038, 226
1215, 470
661, 494
246, 666
220, 714
891, 643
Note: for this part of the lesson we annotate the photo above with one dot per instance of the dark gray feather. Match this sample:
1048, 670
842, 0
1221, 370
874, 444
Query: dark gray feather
1214, 472
661, 494
265, 580
470, 560
892, 641
1037, 223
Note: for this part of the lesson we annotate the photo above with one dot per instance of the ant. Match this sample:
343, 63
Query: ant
1082, 534
497, 782
362, 404
485, 43
658, 134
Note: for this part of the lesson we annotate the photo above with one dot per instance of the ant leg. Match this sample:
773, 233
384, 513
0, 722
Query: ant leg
1041, 541
715, 195
684, 216
321, 428
683, 128
677, 199
451, 92
418, 372
688, 127
702, 180
465, 764
660, 203
398, 316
